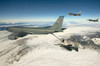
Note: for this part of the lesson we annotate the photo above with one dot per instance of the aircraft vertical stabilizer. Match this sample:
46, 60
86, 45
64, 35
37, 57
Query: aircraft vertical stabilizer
80, 12
58, 24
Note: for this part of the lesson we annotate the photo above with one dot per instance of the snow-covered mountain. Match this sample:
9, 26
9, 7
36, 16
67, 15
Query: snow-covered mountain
40, 50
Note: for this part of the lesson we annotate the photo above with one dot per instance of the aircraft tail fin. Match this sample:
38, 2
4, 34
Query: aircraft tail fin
80, 12
58, 24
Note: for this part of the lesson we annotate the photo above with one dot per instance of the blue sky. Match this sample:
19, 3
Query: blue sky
46, 10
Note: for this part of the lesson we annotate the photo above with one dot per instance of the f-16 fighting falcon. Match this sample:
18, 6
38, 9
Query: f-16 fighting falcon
94, 20
75, 14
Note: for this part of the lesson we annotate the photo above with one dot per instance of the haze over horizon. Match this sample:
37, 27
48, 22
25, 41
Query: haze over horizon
47, 10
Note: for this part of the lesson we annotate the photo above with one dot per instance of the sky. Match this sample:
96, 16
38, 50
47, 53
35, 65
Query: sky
47, 10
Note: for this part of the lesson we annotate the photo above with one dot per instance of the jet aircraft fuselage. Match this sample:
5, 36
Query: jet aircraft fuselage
75, 14
22, 31
94, 20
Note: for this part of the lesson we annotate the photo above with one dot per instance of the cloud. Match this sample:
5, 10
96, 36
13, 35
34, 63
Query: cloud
44, 52
79, 29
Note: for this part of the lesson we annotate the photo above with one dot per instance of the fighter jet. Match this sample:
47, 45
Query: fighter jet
23, 31
73, 14
94, 20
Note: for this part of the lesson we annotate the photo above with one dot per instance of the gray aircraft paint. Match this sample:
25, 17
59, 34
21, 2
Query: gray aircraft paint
77, 14
22, 31
94, 20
